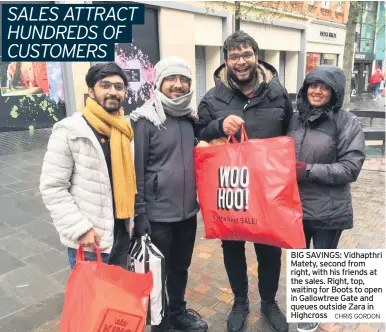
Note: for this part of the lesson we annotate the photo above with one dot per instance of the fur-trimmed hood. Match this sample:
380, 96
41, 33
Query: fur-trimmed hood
265, 74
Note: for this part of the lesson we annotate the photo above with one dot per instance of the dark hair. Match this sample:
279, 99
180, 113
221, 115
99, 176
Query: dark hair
238, 39
102, 70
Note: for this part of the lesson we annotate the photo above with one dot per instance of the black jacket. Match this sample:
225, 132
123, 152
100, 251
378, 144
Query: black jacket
265, 115
164, 166
332, 142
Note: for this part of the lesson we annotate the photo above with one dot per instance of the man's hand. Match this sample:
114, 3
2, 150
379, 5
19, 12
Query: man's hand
141, 225
91, 238
232, 124
301, 169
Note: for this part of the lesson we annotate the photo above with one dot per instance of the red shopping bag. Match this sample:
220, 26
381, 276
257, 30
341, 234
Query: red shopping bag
248, 191
103, 298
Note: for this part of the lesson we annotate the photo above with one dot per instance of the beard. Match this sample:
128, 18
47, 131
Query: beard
110, 109
252, 75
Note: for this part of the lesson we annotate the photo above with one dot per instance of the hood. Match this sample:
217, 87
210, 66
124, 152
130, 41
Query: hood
265, 71
330, 75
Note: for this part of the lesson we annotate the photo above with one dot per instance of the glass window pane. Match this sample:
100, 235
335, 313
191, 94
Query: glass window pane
370, 5
313, 60
330, 59
282, 67
368, 31
366, 45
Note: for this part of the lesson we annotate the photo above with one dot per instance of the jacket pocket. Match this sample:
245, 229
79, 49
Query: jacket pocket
268, 121
341, 198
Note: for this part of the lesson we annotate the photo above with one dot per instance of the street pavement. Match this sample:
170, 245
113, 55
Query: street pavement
365, 102
34, 264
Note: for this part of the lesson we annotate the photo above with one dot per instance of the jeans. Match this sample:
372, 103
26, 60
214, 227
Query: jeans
322, 239
175, 240
118, 254
269, 259
375, 89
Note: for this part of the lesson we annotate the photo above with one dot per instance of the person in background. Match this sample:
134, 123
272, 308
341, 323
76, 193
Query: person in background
247, 92
330, 150
375, 82
88, 177
166, 205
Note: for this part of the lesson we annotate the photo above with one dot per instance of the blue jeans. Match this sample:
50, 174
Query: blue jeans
322, 239
118, 254
375, 88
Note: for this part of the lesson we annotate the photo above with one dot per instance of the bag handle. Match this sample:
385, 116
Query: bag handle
80, 255
243, 136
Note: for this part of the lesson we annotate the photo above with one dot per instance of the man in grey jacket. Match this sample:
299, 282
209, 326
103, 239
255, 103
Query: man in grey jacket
166, 206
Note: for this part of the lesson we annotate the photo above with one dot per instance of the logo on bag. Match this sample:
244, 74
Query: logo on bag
233, 192
118, 321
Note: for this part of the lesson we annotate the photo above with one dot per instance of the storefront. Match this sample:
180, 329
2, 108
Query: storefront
364, 48
173, 29
189, 31
31, 93
286, 54
325, 44
362, 72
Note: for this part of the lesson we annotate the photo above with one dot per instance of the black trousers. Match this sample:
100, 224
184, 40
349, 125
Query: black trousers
321, 238
269, 263
121, 244
175, 240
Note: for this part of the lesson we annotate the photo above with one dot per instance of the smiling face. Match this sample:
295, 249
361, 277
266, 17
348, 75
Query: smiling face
175, 86
109, 93
241, 64
318, 94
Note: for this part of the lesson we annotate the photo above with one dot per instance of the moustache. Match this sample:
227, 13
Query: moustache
243, 68
112, 98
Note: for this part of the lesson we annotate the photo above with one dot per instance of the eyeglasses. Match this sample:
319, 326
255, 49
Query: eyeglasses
323, 87
173, 79
236, 57
106, 85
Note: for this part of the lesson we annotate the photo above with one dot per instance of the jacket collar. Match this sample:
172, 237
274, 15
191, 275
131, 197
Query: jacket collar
78, 128
226, 94
76, 125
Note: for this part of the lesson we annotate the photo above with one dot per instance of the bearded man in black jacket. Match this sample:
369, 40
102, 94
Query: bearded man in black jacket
247, 92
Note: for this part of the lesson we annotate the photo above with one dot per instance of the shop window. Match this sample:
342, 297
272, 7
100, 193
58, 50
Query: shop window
378, 64
338, 7
367, 24
371, 6
326, 4
200, 73
282, 67
311, 3
330, 59
261, 55
366, 46
313, 60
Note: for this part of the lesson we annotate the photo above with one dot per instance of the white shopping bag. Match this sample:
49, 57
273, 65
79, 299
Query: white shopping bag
144, 257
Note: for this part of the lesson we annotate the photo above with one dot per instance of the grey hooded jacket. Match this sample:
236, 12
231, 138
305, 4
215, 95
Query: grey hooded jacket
164, 166
331, 141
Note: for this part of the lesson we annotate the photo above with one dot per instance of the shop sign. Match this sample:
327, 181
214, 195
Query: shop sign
327, 35
364, 56
318, 33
